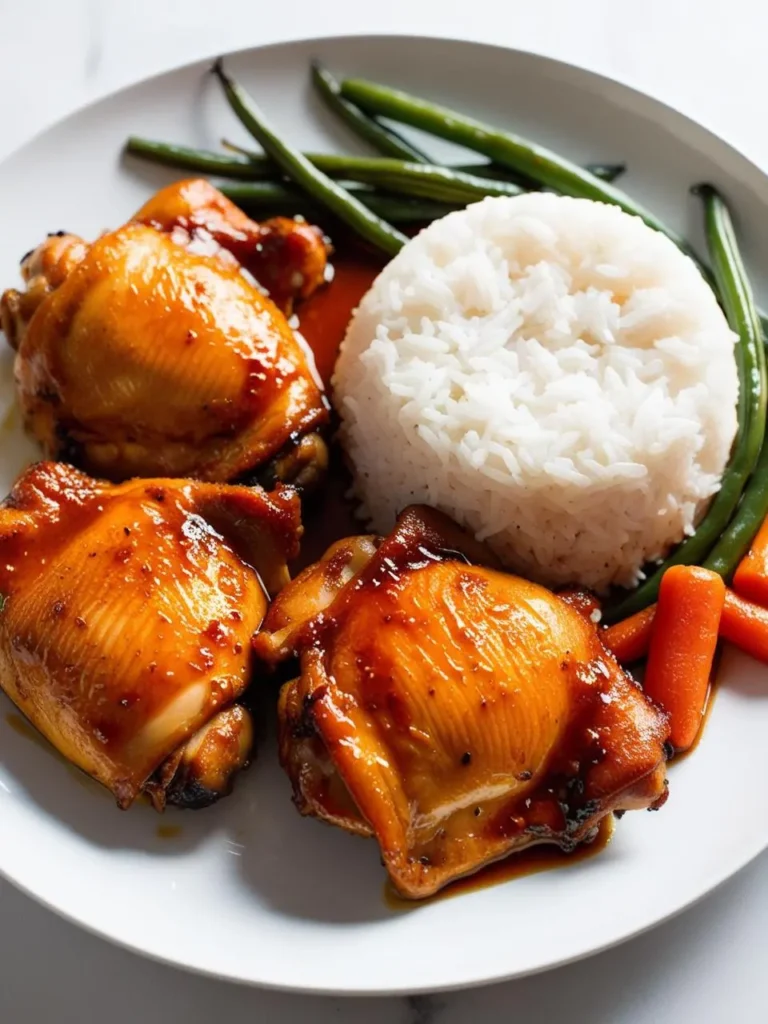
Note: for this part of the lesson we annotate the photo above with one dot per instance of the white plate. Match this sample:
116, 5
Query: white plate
249, 890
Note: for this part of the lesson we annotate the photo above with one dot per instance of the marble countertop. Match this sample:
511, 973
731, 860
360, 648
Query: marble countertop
706, 58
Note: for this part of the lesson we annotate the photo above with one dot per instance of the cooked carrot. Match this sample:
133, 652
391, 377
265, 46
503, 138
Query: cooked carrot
751, 576
745, 624
629, 639
683, 643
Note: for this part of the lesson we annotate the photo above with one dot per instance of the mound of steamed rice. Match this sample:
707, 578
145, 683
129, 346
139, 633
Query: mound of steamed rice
552, 373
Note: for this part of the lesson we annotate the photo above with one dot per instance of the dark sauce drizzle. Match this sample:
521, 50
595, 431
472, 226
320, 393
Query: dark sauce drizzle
531, 861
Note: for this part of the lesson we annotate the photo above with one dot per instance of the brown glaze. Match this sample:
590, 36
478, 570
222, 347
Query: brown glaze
455, 712
324, 318
128, 612
323, 321
328, 515
530, 861
139, 356
287, 257
168, 831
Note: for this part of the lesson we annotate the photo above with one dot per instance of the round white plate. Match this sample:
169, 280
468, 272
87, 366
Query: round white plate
248, 890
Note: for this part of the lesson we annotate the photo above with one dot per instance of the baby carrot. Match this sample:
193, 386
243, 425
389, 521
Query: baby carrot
629, 639
745, 624
683, 643
751, 576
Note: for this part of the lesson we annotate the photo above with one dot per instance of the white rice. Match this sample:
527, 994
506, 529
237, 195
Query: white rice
553, 374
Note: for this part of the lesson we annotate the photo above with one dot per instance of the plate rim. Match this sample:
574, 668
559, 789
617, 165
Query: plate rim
656, 107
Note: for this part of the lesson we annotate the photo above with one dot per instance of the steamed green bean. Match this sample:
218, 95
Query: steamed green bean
313, 181
385, 140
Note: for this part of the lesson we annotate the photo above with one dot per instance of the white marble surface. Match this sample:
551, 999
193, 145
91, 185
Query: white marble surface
706, 57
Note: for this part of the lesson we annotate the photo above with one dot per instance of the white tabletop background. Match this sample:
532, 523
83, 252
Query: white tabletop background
707, 58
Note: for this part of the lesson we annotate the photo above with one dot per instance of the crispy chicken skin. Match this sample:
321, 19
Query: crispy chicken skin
139, 356
126, 623
453, 711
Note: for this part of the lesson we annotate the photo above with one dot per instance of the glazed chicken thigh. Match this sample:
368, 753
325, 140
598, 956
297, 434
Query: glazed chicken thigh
150, 353
126, 622
453, 711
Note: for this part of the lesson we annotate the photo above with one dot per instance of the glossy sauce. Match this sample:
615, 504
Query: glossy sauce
323, 319
543, 857
168, 831
10, 422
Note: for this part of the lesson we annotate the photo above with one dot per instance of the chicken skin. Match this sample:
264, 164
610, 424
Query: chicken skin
126, 622
141, 355
452, 711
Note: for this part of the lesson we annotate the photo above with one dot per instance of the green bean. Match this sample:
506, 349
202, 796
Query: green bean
714, 536
317, 184
428, 181
504, 148
606, 172
384, 139
450, 183
740, 532
280, 197
172, 155
409, 179
244, 151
